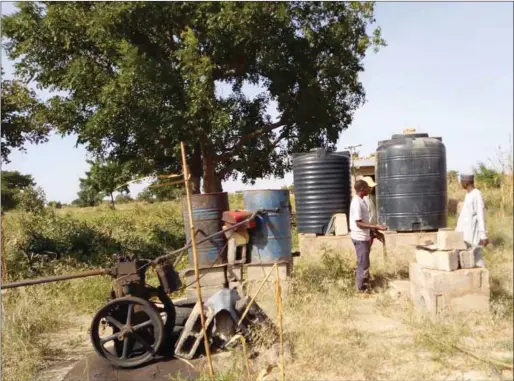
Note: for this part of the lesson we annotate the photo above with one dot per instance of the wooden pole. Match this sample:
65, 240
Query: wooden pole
278, 299
195, 259
3, 253
245, 353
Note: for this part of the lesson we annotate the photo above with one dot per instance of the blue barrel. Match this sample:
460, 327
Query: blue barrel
207, 210
270, 241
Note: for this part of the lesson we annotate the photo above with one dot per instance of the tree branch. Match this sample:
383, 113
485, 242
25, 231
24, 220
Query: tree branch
245, 139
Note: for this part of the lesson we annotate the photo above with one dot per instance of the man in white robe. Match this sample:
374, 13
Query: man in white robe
472, 219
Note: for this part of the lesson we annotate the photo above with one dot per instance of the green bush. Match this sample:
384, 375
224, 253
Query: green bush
487, 177
37, 243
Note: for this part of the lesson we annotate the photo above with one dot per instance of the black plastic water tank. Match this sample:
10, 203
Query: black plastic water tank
322, 187
411, 192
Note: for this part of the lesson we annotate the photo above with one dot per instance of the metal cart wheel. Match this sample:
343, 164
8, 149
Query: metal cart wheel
137, 331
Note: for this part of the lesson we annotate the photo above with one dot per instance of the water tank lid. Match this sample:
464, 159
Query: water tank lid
410, 135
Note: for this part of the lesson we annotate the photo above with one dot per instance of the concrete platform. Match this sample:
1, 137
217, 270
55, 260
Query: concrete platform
439, 292
396, 244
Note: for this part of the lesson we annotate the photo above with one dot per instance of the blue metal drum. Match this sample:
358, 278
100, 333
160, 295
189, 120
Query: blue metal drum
270, 241
207, 211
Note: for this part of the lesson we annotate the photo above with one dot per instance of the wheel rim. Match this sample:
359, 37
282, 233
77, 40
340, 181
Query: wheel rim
127, 331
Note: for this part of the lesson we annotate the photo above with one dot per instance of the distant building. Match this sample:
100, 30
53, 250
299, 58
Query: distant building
363, 166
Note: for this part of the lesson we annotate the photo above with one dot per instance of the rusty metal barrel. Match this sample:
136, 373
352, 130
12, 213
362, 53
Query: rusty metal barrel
207, 212
270, 241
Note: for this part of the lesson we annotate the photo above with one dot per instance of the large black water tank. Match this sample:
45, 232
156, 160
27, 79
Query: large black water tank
411, 192
322, 187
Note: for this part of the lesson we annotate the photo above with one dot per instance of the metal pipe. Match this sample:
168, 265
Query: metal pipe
50, 279
187, 246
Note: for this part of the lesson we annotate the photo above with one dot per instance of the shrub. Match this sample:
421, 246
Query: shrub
31, 199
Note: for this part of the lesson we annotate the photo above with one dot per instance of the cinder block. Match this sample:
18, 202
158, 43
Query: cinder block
214, 276
438, 260
448, 239
467, 258
235, 273
207, 292
191, 336
259, 272
437, 292
341, 224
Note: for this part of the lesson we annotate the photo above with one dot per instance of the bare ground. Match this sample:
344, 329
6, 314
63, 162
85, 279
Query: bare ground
66, 348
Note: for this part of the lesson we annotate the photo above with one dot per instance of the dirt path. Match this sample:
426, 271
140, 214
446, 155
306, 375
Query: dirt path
66, 348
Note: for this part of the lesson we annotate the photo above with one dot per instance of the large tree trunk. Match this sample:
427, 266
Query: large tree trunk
211, 182
196, 169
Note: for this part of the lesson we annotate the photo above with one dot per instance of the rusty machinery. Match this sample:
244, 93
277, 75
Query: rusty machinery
138, 326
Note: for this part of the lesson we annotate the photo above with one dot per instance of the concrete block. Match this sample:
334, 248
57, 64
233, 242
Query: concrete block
235, 273
207, 292
257, 273
438, 260
191, 336
438, 292
214, 276
467, 258
341, 224
238, 286
448, 239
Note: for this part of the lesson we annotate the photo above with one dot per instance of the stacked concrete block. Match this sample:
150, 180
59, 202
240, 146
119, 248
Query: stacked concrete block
439, 292
448, 239
467, 258
438, 259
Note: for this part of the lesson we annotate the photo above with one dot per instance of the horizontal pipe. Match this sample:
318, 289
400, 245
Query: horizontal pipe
50, 279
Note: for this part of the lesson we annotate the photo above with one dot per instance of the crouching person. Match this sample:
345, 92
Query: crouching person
360, 232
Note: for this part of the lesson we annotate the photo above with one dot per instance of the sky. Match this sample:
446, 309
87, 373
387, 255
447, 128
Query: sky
447, 71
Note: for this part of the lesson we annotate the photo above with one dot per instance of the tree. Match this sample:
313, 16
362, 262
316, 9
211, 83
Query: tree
103, 179
23, 118
142, 76
108, 177
159, 191
55, 204
13, 182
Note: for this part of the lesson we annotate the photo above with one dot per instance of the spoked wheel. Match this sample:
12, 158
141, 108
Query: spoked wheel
127, 331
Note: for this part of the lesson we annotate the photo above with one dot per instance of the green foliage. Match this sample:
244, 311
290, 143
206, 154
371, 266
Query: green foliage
334, 270
159, 191
103, 179
23, 118
123, 199
55, 204
487, 176
13, 182
31, 199
142, 76
89, 237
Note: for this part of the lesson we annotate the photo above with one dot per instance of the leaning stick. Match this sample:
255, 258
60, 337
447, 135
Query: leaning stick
195, 259
257, 293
